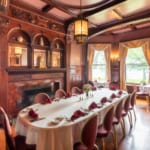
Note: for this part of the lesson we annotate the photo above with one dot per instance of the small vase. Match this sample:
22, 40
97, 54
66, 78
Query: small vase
87, 94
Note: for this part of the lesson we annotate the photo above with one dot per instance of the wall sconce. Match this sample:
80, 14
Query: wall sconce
114, 57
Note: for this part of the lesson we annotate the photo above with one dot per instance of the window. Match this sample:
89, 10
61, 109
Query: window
136, 66
99, 67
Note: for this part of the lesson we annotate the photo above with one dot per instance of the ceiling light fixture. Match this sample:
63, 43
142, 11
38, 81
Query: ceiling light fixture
4, 4
81, 28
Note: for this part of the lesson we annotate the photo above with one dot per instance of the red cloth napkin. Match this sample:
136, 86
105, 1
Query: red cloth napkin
93, 105
77, 114
32, 114
111, 87
81, 92
93, 88
103, 100
68, 95
120, 92
113, 96
49, 100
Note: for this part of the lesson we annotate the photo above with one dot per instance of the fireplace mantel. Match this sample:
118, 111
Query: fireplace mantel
18, 70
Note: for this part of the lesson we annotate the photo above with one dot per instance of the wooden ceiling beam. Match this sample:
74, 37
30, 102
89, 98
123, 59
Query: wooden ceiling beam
102, 7
126, 20
47, 8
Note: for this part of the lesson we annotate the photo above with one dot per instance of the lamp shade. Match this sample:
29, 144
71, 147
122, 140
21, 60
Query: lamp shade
18, 50
81, 30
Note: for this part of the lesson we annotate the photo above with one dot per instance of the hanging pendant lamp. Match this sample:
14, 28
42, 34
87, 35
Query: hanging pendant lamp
81, 28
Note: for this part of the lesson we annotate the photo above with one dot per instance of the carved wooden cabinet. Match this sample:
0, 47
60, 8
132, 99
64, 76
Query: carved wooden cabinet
37, 52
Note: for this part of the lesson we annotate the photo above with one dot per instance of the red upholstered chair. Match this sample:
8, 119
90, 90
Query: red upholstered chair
106, 128
117, 120
88, 136
125, 111
12, 143
60, 93
76, 90
114, 85
41, 98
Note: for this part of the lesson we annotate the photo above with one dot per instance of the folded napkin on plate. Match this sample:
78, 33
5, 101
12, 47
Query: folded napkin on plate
81, 91
32, 114
103, 100
113, 96
68, 95
77, 114
93, 88
120, 92
49, 100
93, 105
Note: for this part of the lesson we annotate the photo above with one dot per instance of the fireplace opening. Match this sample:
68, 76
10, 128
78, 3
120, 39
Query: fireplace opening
29, 94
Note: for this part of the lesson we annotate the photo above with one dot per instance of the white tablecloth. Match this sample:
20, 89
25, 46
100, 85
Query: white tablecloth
65, 133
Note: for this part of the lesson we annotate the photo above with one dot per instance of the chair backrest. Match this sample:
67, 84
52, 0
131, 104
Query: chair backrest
108, 119
91, 83
4, 121
89, 132
119, 110
76, 90
127, 103
41, 98
60, 93
132, 102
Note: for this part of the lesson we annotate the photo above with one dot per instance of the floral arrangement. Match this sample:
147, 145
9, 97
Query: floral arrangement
87, 88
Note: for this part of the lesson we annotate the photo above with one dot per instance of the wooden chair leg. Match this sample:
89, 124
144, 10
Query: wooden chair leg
130, 119
103, 144
134, 114
96, 147
115, 137
124, 127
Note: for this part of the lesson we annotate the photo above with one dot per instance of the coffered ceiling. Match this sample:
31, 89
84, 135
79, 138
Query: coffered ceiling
106, 17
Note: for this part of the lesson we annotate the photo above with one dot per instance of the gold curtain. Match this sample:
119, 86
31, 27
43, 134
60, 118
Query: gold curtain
90, 55
144, 43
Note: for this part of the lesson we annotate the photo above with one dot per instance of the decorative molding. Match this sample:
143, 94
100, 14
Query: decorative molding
33, 70
35, 19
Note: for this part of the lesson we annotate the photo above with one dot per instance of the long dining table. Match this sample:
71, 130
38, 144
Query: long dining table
54, 130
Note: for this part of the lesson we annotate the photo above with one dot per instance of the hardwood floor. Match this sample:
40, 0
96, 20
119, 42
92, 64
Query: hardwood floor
137, 138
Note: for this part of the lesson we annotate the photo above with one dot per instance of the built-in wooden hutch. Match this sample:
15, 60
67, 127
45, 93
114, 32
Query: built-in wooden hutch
34, 57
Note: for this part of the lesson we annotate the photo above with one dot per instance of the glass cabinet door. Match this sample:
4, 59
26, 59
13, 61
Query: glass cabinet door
56, 57
39, 58
17, 56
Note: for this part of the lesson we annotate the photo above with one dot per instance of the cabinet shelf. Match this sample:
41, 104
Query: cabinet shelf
34, 70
